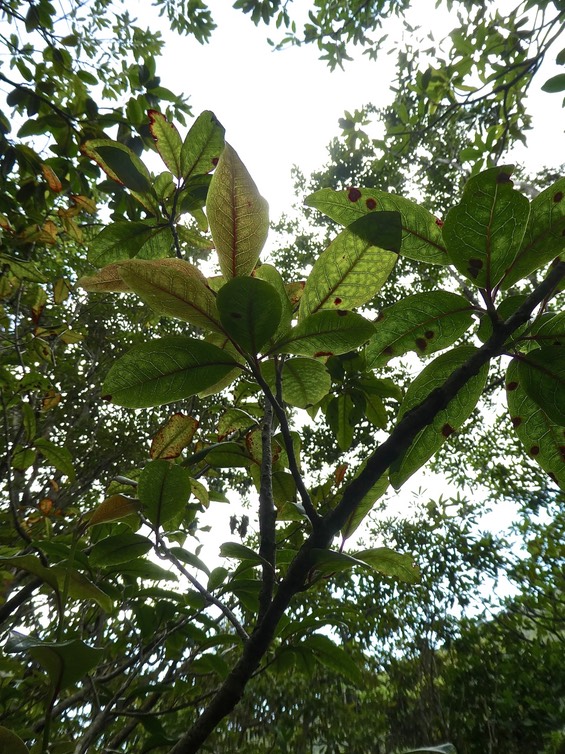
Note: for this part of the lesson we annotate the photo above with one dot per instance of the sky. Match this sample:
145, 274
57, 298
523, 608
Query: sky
282, 108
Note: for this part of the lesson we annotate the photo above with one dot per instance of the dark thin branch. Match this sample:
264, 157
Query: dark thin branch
267, 514
401, 438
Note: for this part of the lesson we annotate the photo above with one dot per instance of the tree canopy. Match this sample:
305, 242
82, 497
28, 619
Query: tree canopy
154, 360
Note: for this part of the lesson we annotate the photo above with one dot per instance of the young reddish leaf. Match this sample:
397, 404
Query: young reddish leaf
238, 216
173, 437
51, 177
167, 140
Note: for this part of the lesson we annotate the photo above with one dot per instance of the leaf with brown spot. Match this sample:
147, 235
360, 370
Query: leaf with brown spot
535, 428
173, 437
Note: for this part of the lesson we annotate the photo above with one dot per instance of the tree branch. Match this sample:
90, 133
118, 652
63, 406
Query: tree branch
400, 439
267, 514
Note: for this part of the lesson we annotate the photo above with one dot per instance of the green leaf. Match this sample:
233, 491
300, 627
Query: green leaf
228, 455
543, 239
397, 565
238, 216
542, 374
422, 322
351, 270
542, 438
334, 657
32, 564
175, 288
81, 588
326, 333
120, 548
114, 508
202, 146
332, 561
238, 551
250, 312
447, 421
143, 569
10, 743
167, 140
57, 456
485, 231
173, 437
554, 84
304, 381
23, 270
163, 489
421, 232
271, 275
165, 370
342, 415
120, 164
190, 559
125, 240
442, 749
550, 330
65, 662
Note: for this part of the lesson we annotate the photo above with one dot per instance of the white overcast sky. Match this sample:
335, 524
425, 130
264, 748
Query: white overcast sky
282, 108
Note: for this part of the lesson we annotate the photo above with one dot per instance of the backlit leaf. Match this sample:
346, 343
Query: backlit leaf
65, 662
120, 163
164, 490
421, 232
58, 456
484, 232
542, 374
304, 381
326, 333
543, 439
165, 370
120, 548
125, 240
202, 146
238, 216
167, 140
250, 311
365, 505
543, 239
173, 437
447, 421
351, 270
421, 322
397, 565
175, 288
334, 657
114, 508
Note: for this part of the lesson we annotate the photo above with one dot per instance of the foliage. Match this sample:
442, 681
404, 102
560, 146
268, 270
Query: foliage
120, 632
